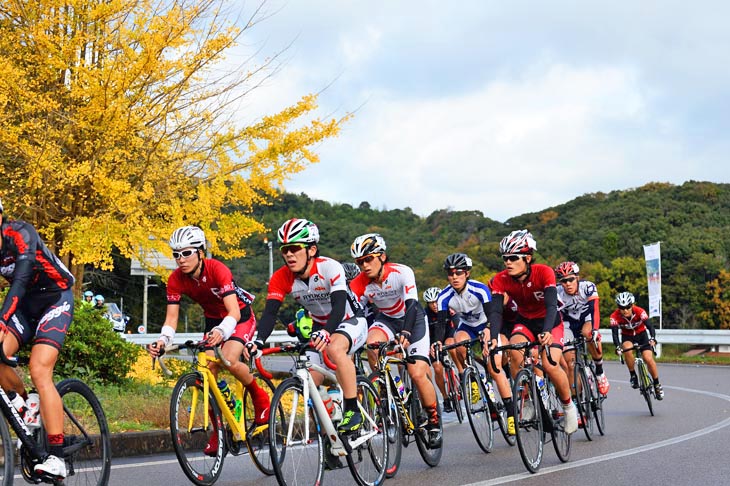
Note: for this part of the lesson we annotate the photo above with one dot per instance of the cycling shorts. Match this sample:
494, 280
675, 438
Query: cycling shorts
641, 340
46, 316
531, 328
419, 349
472, 331
243, 332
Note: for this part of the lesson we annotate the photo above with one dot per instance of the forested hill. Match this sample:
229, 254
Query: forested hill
603, 233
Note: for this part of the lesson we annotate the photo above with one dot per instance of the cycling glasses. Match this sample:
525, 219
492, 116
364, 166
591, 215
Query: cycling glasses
366, 259
567, 280
628, 307
453, 272
291, 248
511, 258
183, 254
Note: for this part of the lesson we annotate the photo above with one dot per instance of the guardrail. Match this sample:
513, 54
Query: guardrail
705, 337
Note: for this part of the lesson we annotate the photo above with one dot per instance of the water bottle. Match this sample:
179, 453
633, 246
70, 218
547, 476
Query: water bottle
400, 387
33, 413
227, 394
18, 402
327, 399
490, 392
543, 389
336, 398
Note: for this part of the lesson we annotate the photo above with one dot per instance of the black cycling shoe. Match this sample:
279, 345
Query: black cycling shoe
351, 422
447, 406
433, 433
634, 381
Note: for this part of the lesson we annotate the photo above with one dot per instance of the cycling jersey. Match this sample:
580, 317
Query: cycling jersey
535, 296
319, 294
214, 283
580, 307
432, 319
40, 292
469, 305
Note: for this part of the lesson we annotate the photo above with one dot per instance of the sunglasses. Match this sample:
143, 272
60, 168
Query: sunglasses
366, 259
510, 258
628, 307
183, 254
451, 273
567, 280
291, 248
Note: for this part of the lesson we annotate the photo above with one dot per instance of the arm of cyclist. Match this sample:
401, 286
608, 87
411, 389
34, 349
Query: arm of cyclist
409, 321
551, 313
227, 326
265, 327
321, 338
168, 331
652, 331
495, 309
615, 338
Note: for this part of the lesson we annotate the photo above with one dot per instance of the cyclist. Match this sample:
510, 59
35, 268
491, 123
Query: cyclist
351, 271
636, 328
532, 287
88, 299
37, 309
469, 299
580, 311
229, 318
391, 287
430, 296
318, 284
99, 302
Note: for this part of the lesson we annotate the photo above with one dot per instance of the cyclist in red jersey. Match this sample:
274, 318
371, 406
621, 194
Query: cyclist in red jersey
37, 309
636, 328
532, 286
318, 284
229, 318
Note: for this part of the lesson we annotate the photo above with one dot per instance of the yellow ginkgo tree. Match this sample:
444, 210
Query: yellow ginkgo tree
118, 123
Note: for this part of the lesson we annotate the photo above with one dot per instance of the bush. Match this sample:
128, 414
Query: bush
93, 351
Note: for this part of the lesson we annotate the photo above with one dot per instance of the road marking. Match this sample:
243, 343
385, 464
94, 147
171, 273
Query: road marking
619, 454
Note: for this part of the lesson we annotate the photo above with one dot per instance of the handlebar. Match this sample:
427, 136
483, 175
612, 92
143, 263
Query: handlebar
298, 348
620, 351
382, 348
526, 345
201, 346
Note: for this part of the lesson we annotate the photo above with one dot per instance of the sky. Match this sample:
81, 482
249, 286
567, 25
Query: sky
502, 107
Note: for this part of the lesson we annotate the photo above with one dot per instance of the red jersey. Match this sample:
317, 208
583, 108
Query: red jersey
636, 324
529, 295
214, 283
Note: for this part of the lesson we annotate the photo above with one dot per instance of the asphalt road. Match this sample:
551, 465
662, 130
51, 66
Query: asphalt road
687, 442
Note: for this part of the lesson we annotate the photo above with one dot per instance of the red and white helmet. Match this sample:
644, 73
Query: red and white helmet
298, 230
566, 269
519, 242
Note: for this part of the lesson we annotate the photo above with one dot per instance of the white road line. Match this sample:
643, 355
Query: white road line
619, 454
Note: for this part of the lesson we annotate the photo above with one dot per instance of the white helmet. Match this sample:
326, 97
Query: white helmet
186, 237
431, 294
367, 245
518, 242
625, 299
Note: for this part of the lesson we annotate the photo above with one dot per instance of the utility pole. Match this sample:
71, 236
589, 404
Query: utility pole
270, 244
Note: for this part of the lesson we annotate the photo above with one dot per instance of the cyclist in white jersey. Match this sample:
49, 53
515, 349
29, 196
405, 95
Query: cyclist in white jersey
578, 303
469, 300
318, 284
391, 287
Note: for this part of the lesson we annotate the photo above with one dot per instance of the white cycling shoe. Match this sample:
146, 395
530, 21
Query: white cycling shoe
571, 417
53, 466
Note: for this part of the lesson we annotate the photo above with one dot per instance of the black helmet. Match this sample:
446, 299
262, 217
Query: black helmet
351, 270
458, 261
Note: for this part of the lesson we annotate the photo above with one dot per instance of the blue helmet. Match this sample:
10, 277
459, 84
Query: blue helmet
88, 293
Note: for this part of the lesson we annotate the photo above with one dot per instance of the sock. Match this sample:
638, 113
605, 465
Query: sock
656, 381
599, 366
433, 414
508, 405
350, 404
55, 445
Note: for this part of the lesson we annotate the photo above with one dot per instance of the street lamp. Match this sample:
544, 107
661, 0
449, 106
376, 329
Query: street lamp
270, 244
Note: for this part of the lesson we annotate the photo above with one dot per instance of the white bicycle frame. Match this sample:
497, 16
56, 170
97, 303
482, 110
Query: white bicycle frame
338, 448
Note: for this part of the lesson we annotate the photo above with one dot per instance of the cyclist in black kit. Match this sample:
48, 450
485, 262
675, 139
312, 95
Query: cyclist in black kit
38, 310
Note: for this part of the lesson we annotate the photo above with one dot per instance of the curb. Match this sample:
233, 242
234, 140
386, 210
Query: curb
141, 443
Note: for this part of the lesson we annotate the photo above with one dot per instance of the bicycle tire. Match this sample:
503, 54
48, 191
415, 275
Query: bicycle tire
528, 423
583, 399
596, 400
7, 446
393, 423
87, 441
368, 462
561, 440
189, 433
477, 409
258, 443
499, 412
454, 392
295, 461
420, 417
645, 385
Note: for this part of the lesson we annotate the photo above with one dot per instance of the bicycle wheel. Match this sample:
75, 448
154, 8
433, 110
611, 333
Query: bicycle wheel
583, 399
454, 392
477, 409
190, 435
419, 415
392, 423
257, 437
561, 440
6, 455
596, 400
297, 450
87, 444
499, 413
645, 385
368, 461
528, 423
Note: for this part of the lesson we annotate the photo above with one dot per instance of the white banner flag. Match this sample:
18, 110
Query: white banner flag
654, 278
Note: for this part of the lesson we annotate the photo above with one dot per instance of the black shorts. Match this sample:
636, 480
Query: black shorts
43, 318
